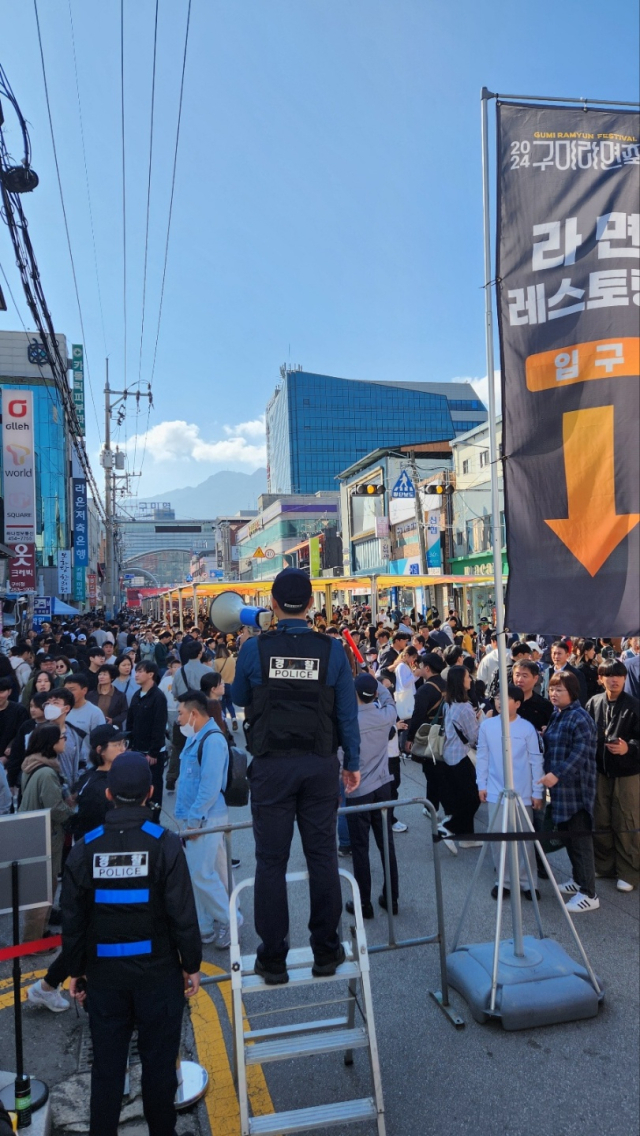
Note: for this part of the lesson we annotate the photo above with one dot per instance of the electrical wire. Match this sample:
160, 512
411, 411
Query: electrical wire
86, 176
124, 191
173, 186
64, 214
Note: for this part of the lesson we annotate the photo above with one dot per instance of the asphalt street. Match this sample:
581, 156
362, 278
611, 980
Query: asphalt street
554, 1081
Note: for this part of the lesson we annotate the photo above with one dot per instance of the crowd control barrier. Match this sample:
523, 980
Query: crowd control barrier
441, 996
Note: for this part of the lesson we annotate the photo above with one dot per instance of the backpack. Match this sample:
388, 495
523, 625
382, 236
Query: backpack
236, 791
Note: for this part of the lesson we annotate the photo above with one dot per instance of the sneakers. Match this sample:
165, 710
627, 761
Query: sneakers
206, 939
451, 846
382, 900
569, 887
52, 999
581, 902
622, 885
527, 894
275, 974
471, 844
235, 863
444, 833
367, 909
234, 724
344, 850
399, 827
222, 941
326, 968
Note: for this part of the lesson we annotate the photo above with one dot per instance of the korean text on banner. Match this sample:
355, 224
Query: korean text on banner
78, 383
568, 274
19, 486
80, 537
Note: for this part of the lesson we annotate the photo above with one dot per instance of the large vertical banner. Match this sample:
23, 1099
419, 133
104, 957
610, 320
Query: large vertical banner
569, 281
19, 486
80, 537
78, 382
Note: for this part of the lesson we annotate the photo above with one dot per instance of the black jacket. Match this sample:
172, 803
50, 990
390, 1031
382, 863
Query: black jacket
428, 698
572, 670
92, 801
118, 706
18, 751
172, 923
11, 718
147, 722
619, 719
537, 710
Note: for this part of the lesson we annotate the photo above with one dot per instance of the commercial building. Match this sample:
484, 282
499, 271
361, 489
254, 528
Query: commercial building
156, 545
221, 563
294, 530
472, 518
318, 425
22, 368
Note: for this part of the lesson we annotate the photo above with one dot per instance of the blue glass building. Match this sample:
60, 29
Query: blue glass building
318, 425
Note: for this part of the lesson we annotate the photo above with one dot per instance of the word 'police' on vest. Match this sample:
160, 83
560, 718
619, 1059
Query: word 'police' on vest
306, 669
120, 865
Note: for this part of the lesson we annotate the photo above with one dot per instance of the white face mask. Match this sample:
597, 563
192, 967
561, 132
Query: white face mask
52, 713
187, 731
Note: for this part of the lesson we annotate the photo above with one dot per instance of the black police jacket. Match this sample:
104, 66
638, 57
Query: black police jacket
128, 912
619, 719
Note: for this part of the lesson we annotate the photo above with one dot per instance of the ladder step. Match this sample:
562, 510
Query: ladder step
305, 1046
305, 1119
300, 977
297, 1027
297, 956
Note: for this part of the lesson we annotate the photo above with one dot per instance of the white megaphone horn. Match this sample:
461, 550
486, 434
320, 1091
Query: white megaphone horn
228, 613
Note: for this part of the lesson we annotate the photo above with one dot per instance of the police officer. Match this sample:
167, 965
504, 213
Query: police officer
129, 927
300, 702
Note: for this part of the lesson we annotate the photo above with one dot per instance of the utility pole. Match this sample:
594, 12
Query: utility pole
419, 515
111, 462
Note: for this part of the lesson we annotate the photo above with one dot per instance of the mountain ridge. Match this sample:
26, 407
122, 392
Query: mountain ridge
222, 494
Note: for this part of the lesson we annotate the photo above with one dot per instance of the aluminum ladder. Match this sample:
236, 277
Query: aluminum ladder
304, 1039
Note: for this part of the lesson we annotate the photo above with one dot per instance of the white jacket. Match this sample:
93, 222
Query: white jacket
528, 766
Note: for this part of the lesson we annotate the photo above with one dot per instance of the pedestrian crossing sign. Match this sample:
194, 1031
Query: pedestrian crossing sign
404, 486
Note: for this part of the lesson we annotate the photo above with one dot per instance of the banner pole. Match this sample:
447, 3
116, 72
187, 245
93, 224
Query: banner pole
507, 761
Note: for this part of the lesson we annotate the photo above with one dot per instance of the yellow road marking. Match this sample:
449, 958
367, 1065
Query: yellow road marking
221, 1099
7, 999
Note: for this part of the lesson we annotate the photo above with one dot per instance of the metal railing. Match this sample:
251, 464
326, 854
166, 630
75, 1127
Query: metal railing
441, 996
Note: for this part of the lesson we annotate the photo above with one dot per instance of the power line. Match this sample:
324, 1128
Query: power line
124, 190
64, 214
173, 185
86, 175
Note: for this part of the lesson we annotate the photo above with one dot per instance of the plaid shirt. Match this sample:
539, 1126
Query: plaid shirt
570, 742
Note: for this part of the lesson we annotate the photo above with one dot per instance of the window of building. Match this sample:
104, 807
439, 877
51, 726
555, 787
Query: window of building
461, 427
465, 466
459, 539
484, 458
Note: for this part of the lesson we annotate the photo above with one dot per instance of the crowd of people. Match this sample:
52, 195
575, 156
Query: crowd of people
83, 704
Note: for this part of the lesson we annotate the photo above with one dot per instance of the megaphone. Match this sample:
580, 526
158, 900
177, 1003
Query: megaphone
228, 613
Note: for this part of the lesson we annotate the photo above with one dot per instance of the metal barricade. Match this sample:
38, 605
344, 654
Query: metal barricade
441, 996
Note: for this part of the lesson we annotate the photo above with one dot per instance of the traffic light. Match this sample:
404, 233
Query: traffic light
369, 489
437, 490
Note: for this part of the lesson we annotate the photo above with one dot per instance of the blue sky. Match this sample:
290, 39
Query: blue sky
328, 196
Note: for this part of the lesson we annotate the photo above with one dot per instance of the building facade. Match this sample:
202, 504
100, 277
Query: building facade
472, 516
156, 545
318, 425
284, 525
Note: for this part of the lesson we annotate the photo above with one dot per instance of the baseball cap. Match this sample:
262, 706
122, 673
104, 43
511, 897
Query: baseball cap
533, 646
81, 638
102, 735
366, 687
129, 778
291, 590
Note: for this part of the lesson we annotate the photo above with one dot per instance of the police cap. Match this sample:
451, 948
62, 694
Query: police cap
129, 778
291, 590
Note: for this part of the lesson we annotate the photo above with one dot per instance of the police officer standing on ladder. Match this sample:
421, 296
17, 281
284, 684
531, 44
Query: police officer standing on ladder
130, 935
300, 702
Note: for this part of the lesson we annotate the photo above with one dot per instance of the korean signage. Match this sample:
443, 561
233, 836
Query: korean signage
78, 382
19, 486
568, 267
432, 532
93, 588
64, 571
80, 537
41, 610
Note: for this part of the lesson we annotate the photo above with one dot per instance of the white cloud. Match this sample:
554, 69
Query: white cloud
254, 429
180, 441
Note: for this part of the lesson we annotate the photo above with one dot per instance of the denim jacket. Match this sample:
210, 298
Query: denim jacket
199, 796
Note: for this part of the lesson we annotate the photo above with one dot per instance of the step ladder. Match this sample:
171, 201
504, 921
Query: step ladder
306, 1039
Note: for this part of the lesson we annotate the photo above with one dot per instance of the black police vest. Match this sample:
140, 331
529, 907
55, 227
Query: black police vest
293, 710
127, 918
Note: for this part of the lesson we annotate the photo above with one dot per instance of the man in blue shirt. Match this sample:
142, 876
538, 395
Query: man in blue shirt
300, 702
200, 803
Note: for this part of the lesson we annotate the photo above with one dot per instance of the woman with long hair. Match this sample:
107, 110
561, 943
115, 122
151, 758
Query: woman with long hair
43, 683
7, 671
42, 789
584, 653
108, 698
225, 664
459, 793
125, 681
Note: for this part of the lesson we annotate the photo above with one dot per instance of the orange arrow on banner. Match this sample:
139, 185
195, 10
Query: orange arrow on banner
593, 528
